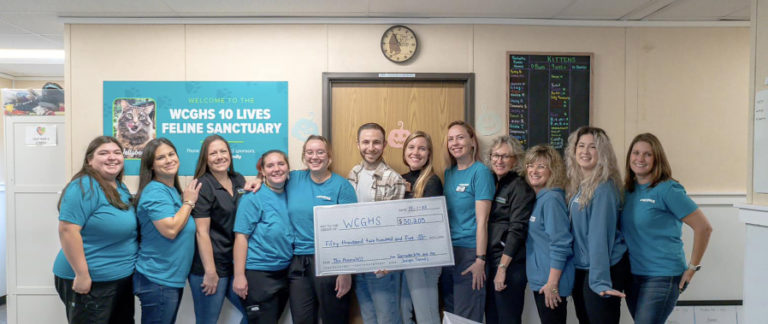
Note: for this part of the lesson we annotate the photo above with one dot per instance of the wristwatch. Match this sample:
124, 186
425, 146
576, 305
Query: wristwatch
502, 266
694, 267
481, 257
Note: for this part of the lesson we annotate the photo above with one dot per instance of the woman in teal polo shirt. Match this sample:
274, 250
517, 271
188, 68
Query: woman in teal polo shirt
469, 188
97, 229
655, 208
167, 232
263, 243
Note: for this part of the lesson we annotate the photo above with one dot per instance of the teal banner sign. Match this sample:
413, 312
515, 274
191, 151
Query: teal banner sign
251, 116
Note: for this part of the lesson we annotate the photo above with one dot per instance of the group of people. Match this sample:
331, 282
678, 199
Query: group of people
566, 227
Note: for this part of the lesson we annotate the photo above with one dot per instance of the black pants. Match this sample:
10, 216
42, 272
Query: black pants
310, 295
505, 306
559, 315
591, 308
267, 296
107, 302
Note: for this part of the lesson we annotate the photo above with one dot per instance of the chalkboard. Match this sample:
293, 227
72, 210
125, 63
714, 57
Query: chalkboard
549, 96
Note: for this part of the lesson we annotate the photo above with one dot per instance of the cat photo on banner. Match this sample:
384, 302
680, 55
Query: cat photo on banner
133, 122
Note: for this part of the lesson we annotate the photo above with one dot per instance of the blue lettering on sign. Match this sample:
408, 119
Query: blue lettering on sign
359, 222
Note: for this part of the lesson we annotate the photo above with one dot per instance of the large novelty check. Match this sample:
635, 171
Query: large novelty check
391, 235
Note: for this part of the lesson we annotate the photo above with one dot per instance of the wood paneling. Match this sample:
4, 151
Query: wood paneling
427, 106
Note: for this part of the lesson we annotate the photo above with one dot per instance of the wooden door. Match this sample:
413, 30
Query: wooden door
401, 107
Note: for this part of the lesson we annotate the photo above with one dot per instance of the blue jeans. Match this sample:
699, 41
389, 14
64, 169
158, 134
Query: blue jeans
419, 295
379, 298
458, 296
208, 308
159, 304
652, 299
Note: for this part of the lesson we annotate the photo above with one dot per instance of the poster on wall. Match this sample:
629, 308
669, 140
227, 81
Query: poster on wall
35, 102
251, 116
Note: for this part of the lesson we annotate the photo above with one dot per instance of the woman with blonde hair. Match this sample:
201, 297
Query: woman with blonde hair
507, 231
470, 188
594, 191
656, 208
419, 291
549, 252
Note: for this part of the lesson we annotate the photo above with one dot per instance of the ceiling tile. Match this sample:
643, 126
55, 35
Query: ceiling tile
9, 29
31, 70
269, 7
30, 41
699, 9
601, 9
39, 23
463, 8
743, 14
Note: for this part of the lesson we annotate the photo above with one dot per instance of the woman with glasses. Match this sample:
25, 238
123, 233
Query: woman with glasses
311, 297
507, 232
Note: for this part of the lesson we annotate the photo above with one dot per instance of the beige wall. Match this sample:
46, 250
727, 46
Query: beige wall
5, 83
676, 82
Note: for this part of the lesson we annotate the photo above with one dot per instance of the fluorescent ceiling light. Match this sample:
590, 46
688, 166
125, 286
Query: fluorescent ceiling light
31, 56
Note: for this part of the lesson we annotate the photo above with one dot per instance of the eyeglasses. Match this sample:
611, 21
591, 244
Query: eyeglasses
504, 157
319, 153
537, 167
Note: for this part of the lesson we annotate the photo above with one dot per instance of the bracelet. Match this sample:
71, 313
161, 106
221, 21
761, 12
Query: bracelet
502, 266
189, 203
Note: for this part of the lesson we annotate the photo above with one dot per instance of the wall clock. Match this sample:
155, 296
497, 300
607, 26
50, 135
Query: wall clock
399, 44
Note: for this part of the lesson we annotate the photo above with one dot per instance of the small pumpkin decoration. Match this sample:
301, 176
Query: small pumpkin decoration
397, 137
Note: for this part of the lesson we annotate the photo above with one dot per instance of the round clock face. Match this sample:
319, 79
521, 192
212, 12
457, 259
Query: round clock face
399, 44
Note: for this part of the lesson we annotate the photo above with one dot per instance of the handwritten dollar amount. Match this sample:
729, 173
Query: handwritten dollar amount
411, 220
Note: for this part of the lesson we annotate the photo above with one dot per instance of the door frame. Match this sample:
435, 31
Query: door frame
329, 78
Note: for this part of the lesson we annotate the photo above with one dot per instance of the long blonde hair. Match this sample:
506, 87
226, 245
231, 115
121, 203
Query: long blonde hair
427, 171
606, 169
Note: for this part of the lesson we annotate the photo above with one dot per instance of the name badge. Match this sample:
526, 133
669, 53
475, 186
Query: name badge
532, 219
462, 187
326, 198
501, 200
240, 191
